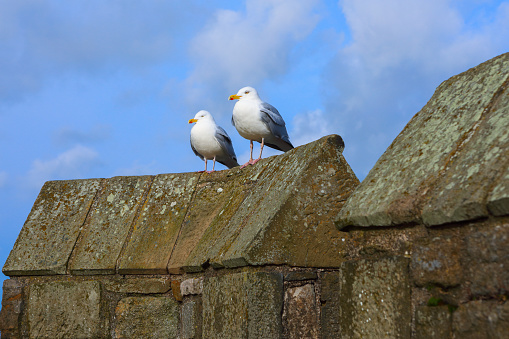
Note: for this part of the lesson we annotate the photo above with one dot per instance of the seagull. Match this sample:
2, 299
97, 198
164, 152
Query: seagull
259, 121
210, 142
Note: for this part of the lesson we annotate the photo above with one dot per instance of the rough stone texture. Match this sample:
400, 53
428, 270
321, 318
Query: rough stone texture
65, 310
277, 212
498, 200
110, 220
191, 319
433, 322
437, 261
191, 286
157, 228
300, 312
12, 304
487, 264
437, 180
374, 299
329, 300
147, 317
298, 276
138, 285
460, 192
52, 227
277, 217
243, 305
175, 288
212, 197
481, 319
294, 204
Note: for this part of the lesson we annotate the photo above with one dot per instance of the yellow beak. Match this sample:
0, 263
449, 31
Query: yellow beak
193, 120
235, 96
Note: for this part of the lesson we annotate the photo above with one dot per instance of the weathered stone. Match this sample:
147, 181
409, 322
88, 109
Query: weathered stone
488, 260
481, 319
498, 200
243, 305
298, 276
301, 312
460, 193
258, 216
147, 317
65, 310
191, 320
225, 226
374, 299
293, 205
212, 196
52, 227
437, 261
155, 233
191, 286
106, 230
11, 308
329, 300
138, 285
433, 322
425, 176
175, 288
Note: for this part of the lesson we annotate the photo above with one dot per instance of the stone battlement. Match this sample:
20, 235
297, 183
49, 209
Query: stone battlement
292, 247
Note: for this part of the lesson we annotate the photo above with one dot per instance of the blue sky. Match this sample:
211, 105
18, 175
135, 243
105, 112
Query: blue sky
104, 88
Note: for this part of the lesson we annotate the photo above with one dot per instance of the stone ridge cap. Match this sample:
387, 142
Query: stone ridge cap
491, 75
173, 223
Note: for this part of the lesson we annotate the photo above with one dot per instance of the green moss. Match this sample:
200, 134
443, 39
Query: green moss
435, 301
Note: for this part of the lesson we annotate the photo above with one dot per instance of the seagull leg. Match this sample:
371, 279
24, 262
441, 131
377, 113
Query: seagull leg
213, 166
205, 165
250, 162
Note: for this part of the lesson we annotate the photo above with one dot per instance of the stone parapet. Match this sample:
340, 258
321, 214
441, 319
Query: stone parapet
284, 249
175, 223
449, 164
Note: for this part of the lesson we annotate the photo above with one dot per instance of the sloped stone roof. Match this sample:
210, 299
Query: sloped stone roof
279, 211
451, 161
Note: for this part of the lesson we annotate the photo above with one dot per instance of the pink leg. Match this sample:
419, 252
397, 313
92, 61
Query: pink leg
251, 160
250, 155
260, 157
205, 167
213, 166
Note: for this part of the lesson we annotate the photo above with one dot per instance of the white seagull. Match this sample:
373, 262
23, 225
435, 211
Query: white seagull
259, 121
210, 142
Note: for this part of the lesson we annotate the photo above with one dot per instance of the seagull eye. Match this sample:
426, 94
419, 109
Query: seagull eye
246, 92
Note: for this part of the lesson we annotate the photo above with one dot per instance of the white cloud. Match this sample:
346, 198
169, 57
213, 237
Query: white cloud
398, 54
310, 126
243, 48
71, 164
48, 38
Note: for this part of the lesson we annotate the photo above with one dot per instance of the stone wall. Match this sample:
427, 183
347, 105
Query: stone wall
292, 247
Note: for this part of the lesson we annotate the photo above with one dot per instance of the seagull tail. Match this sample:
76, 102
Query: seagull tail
281, 145
229, 162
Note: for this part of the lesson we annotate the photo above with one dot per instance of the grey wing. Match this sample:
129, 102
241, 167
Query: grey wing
195, 151
225, 142
274, 121
272, 113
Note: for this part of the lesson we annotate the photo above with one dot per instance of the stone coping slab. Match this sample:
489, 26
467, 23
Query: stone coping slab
279, 211
449, 163
47, 238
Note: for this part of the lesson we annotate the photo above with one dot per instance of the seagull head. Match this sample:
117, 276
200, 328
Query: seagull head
245, 93
202, 116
